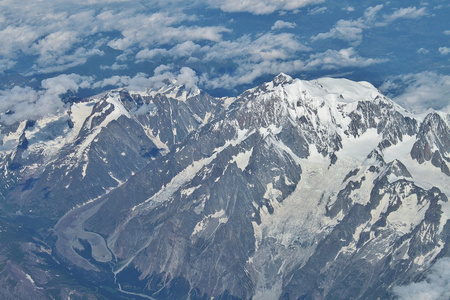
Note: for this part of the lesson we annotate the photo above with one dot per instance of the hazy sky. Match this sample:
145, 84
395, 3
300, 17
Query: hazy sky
49, 48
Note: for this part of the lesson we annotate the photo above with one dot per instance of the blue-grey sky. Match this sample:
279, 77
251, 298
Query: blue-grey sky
49, 48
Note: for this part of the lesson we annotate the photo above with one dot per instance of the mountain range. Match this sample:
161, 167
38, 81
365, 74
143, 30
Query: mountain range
321, 189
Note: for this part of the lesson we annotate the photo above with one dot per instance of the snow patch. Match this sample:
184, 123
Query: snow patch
119, 182
242, 159
156, 140
408, 215
356, 149
189, 191
272, 193
272, 129
219, 215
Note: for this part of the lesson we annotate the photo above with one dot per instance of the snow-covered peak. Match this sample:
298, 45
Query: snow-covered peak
281, 79
331, 90
348, 91
296, 97
317, 93
176, 91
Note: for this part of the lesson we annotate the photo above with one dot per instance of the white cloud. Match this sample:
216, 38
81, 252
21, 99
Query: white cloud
279, 24
156, 29
6, 64
115, 67
15, 39
24, 103
444, 50
447, 32
404, 13
344, 58
64, 62
261, 7
352, 30
419, 92
36, 29
317, 10
349, 8
65, 35
266, 47
59, 37
54, 45
163, 74
423, 51
185, 49
187, 78
346, 30
63, 83
371, 12
435, 287
149, 54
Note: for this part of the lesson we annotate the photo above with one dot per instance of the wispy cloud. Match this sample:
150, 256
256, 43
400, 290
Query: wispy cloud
317, 10
403, 13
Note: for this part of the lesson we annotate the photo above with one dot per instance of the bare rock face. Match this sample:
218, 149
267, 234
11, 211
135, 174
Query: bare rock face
319, 189
433, 142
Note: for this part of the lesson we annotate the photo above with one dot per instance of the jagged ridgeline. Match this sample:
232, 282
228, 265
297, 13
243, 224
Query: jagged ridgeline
321, 189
